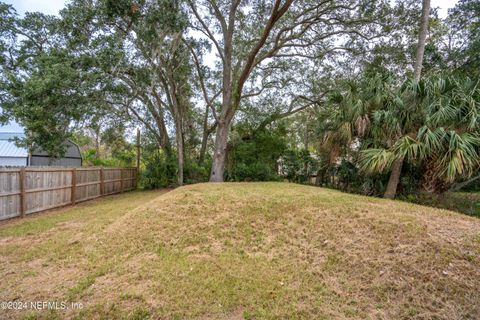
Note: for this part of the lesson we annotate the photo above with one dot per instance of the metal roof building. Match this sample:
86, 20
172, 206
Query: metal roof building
71, 158
12, 155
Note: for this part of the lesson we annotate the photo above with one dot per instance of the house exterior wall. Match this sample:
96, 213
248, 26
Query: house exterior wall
13, 161
62, 162
72, 157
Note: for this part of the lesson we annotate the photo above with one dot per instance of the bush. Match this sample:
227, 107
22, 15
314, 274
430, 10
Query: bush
125, 158
348, 176
298, 165
257, 171
254, 156
195, 173
159, 171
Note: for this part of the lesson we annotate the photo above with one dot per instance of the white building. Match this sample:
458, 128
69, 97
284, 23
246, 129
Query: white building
11, 155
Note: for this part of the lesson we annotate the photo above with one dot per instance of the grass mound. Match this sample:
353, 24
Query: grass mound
245, 251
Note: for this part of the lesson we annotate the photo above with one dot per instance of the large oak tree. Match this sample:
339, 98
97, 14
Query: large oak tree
249, 34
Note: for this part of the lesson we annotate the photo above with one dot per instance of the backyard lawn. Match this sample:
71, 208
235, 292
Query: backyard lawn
243, 251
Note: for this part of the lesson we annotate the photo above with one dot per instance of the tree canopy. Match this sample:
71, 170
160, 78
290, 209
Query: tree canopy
360, 95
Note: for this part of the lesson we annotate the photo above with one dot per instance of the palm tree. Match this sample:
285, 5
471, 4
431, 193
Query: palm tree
345, 123
394, 179
440, 131
433, 123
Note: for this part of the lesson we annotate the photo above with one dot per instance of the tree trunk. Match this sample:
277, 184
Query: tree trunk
391, 190
422, 37
232, 86
306, 133
164, 139
178, 118
206, 134
203, 150
97, 148
417, 71
319, 177
430, 181
177, 109
203, 147
220, 153
97, 144
180, 151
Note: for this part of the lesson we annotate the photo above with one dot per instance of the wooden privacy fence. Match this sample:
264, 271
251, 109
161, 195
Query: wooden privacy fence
34, 189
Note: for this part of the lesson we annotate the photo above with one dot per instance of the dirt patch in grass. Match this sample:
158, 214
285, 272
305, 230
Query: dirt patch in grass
249, 251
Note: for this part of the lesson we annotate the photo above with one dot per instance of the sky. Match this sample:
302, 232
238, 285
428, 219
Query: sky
54, 6
44, 6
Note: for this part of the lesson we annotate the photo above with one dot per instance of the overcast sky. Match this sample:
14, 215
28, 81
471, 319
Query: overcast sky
53, 6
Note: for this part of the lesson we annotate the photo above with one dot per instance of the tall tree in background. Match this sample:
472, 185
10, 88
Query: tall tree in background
44, 86
140, 49
7, 40
394, 179
187, 71
463, 40
247, 35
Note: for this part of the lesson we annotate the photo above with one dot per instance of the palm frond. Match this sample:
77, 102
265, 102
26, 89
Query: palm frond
361, 124
462, 157
442, 112
407, 147
431, 139
376, 160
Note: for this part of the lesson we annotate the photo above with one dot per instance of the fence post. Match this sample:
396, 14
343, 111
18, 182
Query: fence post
133, 176
102, 191
138, 148
22, 192
122, 176
74, 186
135, 171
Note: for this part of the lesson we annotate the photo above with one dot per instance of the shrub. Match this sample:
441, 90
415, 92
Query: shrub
257, 171
159, 172
195, 173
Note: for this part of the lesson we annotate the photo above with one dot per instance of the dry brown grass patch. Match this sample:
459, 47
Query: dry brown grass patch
259, 251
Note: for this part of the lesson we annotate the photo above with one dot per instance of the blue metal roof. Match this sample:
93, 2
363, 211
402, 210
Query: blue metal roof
11, 135
11, 126
9, 149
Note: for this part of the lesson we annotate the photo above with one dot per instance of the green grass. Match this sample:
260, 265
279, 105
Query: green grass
244, 251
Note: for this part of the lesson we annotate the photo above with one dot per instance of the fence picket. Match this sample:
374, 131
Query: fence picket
34, 189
